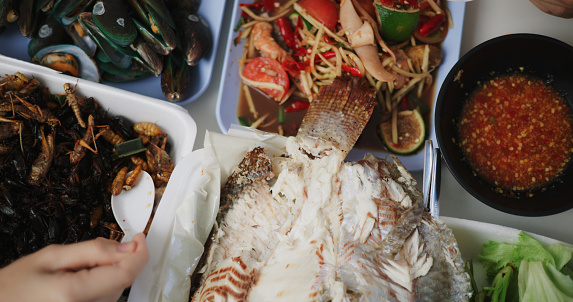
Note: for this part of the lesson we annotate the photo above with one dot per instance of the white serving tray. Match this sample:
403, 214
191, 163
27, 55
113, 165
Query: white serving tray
172, 119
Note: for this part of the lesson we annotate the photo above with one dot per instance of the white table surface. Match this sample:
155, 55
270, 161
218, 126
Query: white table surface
484, 19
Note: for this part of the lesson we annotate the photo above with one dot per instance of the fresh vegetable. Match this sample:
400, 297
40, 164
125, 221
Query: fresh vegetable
528, 270
245, 121
397, 23
287, 32
352, 23
410, 132
297, 20
324, 11
297, 105
431, 25
430, 33
128, 148
267, 70
355, 71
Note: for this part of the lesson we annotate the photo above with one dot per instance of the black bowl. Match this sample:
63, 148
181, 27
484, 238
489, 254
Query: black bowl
536, 55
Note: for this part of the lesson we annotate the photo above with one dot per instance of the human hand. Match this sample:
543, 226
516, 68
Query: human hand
96, 270
559, 8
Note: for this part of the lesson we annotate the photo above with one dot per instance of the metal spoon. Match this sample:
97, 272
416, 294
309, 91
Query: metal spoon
132, 208
431, 178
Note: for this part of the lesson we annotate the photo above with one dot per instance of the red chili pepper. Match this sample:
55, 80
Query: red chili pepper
256, 5
287, 32
297, 105
404, 102
295, 67
400, 3
237, 40
270, 5
326, 55
264, 5
329, 54
328, 40
355, 71
432, 25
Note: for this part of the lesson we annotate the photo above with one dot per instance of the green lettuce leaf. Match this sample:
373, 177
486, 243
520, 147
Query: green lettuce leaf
540, 281
561, 253
495, 256
531, 249
528, 270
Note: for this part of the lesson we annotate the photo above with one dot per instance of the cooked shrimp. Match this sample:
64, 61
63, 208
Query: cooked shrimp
265, 43
268, 47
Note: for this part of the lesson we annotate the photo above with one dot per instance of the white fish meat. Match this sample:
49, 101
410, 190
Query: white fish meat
310, 227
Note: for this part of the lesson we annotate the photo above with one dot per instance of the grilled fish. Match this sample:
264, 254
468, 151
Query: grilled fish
311, 227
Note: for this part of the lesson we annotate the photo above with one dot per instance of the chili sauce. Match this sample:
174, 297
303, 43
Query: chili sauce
516, 132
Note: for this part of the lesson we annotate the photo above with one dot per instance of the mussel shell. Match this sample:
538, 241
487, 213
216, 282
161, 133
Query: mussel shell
67, 11
50, 33
162, 44
44, 5
63, 62
148, 57
195, 35
120, 56
28, 21
5, 7
100, 56
113, 18
88, 69
175, 78
155, 24
158, 8
191, 6
135, 71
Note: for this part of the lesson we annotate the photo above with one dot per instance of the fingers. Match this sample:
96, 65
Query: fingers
109, 279
85, 254
555, 7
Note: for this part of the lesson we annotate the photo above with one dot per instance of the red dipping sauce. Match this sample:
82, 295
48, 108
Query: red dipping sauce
516, 132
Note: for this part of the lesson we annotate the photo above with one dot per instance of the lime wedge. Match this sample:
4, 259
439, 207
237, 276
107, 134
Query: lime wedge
397, 25
411, 133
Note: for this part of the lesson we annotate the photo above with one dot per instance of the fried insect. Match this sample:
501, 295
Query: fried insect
53, 189
5, 149
83, 144
132, 178
110, 136
10, 128
148, 129
95, 216
74, 102
118, 181
136, 160
43, 162
115, 231
43, 115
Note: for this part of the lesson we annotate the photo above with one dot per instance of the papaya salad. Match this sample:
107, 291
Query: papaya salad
294, 47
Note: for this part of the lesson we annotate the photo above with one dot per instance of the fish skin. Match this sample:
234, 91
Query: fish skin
338, 114
255, 167
355, 231
249, 191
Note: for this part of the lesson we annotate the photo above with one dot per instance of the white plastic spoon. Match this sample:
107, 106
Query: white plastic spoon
132, 208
